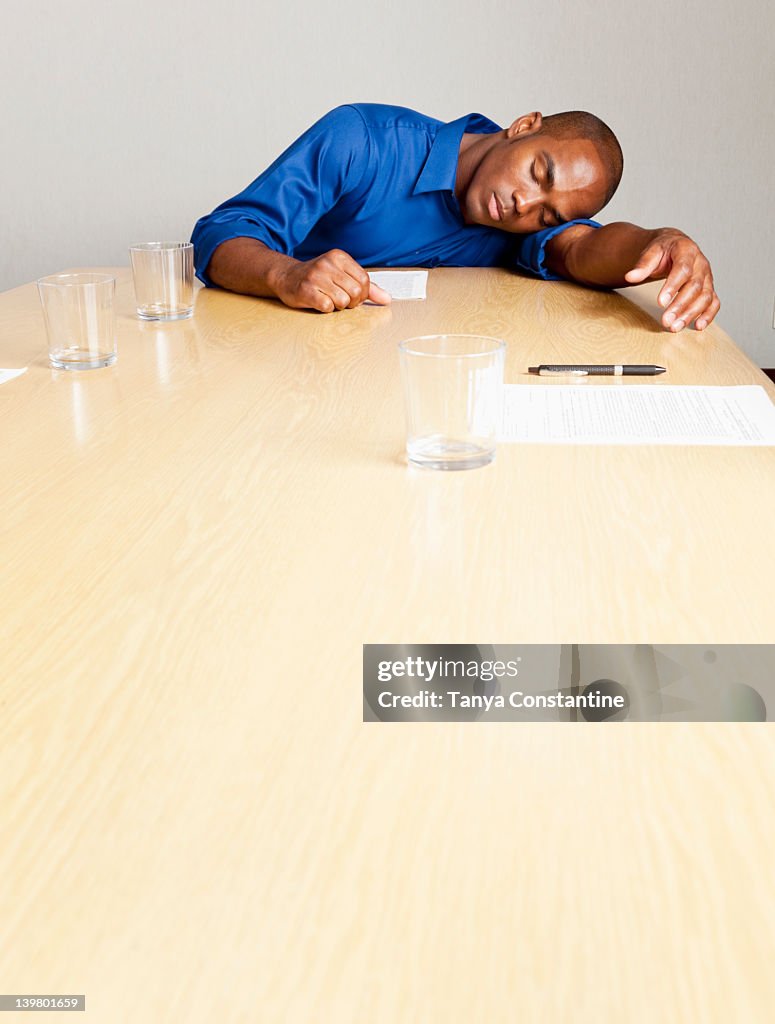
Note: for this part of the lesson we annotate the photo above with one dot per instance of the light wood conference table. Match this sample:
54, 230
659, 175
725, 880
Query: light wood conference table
196, 823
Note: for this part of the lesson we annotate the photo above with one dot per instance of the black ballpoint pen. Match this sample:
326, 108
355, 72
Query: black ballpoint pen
583, 370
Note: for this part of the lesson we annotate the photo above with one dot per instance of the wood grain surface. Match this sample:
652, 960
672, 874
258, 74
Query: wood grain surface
196, 824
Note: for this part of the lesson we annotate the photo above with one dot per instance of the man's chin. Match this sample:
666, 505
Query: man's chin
467, 218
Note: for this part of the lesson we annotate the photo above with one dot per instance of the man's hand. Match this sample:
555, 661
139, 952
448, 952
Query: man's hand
331, 281
620, 254
688, 293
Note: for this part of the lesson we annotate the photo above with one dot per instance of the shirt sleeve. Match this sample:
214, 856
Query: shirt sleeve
531, 252
284, 203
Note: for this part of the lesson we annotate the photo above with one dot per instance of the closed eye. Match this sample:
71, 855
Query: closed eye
555, 221
549, 172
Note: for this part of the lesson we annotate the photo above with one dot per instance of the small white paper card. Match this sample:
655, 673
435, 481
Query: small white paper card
6, 375
401, 284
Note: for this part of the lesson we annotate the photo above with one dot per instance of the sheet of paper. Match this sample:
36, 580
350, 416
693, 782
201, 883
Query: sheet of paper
637, 414
401, 284
6, 375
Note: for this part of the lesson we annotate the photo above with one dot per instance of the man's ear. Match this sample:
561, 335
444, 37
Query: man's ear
527, 124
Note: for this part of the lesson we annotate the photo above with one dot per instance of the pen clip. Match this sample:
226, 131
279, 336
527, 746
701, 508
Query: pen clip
563, 373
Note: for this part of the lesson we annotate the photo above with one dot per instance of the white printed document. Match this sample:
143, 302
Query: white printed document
6, 375
401, 284
637, 414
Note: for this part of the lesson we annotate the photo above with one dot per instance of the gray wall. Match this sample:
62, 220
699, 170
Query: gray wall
122, 123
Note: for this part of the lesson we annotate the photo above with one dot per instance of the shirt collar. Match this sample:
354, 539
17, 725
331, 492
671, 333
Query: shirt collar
440, 166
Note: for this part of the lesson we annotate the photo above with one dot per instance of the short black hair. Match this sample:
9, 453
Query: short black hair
580, 124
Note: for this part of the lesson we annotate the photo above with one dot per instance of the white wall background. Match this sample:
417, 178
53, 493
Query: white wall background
127, 122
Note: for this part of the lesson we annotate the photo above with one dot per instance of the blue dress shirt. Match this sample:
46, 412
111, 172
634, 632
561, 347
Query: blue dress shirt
376, 181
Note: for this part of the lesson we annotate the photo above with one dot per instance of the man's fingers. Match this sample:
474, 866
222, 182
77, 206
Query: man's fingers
347, 292
320, 301
687, 295
379, 295
324, 296
682, 301
338, 275
341, 296
692, 300
696, 301
354, 282
681, 272
344, 291
709, 314
329, 285
648, 264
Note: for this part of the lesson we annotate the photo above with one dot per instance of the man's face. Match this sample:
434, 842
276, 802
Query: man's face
530, 180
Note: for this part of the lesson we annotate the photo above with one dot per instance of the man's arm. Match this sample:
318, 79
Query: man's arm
332, 281
623, 254
245, 244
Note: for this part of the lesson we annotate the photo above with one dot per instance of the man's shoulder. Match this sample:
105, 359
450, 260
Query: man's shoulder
374, 116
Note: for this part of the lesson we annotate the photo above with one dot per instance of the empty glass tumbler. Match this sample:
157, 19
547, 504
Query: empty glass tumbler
453, 390
164, 279
80, 319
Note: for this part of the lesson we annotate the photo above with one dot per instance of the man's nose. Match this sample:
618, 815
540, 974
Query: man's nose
524, 202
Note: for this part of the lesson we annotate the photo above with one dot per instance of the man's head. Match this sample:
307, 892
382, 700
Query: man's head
538, 172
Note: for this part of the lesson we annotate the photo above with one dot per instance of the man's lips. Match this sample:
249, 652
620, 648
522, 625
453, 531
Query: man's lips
493, 208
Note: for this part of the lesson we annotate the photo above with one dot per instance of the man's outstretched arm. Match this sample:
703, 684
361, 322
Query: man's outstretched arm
622, 254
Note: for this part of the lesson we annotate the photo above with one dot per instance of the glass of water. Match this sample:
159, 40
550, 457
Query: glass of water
164, 279
80, 319
453, 390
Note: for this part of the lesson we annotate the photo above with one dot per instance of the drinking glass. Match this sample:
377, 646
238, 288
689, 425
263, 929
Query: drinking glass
164, 279
452, 387
80, 319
